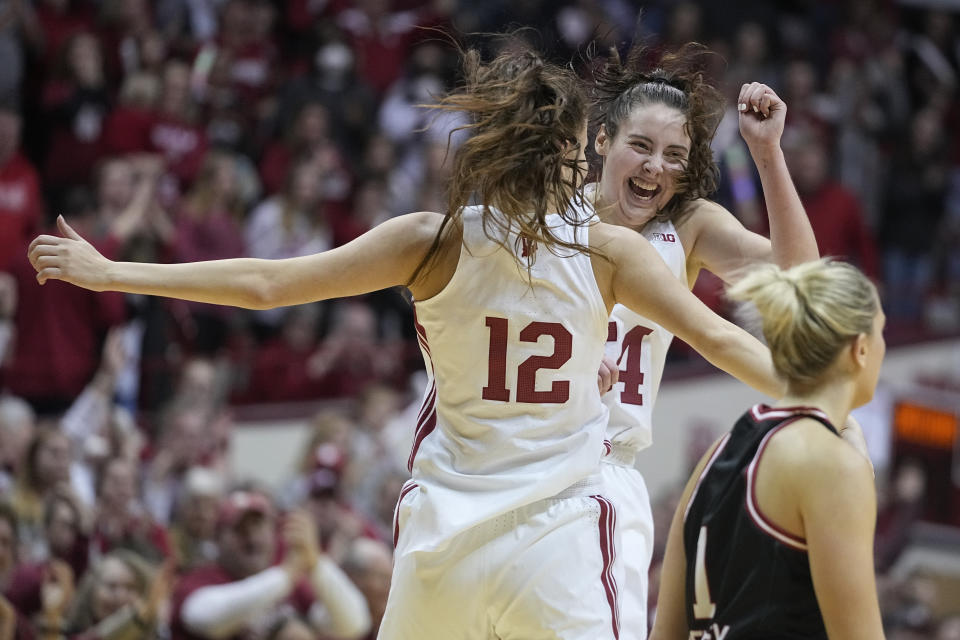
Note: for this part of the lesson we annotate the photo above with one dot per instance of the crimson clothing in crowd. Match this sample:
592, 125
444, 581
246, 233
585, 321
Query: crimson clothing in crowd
141, 534
380, 45
24, 590
21, 207
59, 332
128, 131
839, 226
213, 575
76, 117
251, 71
182, 144
280, 373
58, 27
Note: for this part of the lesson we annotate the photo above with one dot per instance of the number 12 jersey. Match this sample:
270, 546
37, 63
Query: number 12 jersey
511, 414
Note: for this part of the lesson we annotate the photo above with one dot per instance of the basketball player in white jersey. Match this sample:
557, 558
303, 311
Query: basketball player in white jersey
656, 126
504, 531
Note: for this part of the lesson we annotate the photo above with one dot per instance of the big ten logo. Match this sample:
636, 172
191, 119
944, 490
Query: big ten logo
664, 237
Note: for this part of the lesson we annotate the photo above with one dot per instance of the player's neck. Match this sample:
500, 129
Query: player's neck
834, 398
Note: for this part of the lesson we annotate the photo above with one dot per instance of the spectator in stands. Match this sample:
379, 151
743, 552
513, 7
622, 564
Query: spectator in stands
9, 543
389, 483
8, 307
123, 24
57, 342
834, 212
369, 564
281, 368
17, 426
128, 126
238, 594
382, 37
291, 223
333, 83
307, 131
46, 469
17, 20
21, 203
337, 519
67, 542
119, 599
352, 356
194, 529
183, 442
916, 194
75, 107
177, 132
209, 227
58, 21
121, 520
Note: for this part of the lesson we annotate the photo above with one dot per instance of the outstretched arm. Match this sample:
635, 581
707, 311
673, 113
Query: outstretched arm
638, 278
383, 257
722, 244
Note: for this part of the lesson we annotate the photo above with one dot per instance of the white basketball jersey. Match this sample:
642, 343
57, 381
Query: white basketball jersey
639, 346
511, 414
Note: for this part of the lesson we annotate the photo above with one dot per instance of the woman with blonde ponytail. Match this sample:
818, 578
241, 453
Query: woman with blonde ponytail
503, 530
773, 537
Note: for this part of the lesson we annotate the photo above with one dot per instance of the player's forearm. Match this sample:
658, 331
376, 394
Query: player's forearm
745, 358
791, 235
238, 282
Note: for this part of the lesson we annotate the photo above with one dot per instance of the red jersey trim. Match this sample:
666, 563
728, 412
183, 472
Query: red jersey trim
753, 507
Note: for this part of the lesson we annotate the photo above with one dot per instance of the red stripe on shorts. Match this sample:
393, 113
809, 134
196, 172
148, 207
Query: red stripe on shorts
408, 486
608, 524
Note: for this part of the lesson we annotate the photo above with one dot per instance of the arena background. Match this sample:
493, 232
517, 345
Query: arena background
181, 130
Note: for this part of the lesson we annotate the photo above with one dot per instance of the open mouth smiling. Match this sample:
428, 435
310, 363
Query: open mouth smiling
642, 189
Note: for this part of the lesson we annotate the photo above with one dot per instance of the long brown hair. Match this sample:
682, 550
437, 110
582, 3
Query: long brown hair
676, 80
526, 119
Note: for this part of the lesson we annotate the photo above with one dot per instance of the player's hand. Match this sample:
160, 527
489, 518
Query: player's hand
608, 375
762, 114
69, 258
302, 543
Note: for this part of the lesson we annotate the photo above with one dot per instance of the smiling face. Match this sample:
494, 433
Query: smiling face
642, 164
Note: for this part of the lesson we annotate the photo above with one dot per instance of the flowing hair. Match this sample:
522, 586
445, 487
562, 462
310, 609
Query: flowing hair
526, 117
673, 79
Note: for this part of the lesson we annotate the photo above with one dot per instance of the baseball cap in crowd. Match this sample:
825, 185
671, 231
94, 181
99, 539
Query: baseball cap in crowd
239, 503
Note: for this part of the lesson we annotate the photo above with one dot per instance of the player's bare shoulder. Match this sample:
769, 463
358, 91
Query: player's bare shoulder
697, 216
815, 457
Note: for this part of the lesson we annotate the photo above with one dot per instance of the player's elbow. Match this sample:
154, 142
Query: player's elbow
261, 290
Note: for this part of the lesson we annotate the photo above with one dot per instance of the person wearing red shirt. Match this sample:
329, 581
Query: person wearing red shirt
242, 590
21, 204
121, 520
174, 131
835, 213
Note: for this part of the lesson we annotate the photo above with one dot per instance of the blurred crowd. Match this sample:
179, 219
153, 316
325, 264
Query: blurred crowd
181, 130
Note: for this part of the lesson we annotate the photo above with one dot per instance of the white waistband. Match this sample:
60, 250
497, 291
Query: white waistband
589, 486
